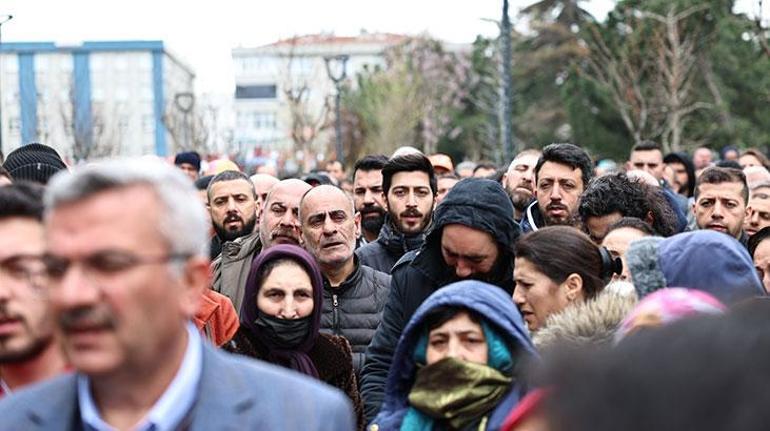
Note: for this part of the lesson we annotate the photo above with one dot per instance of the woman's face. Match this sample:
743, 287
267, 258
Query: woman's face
286, 293
536, 295
460, 338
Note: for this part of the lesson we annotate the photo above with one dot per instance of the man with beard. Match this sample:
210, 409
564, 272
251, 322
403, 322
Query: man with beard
368, 197
472, 237
124, 280
561, 175
28, 352
354, 294
234, 210
409, 185
518, 181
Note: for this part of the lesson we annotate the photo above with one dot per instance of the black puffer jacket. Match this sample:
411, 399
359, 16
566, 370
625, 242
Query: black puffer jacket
477, 203
390, 245
354, 308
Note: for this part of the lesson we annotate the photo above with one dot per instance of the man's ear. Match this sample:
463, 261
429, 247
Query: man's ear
195, 280
357, 220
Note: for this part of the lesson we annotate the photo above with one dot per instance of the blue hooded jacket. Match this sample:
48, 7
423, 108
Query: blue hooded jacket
705, 260
488, 301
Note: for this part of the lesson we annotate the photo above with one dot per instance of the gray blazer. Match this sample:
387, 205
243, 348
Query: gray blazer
236, 393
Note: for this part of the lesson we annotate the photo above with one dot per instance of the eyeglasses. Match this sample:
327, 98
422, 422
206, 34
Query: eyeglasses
104, 264
24, 272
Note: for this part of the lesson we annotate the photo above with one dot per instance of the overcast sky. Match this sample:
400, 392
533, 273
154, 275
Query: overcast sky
202, 33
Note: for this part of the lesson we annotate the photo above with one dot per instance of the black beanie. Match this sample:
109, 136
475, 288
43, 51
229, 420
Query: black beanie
189, 157
34, 162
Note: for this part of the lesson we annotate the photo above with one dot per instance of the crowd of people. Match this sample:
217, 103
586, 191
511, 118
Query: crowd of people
555, 293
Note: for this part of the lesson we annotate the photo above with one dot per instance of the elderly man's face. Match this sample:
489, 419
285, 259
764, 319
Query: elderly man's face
329, 226
117, 302
279, 222
757, 215
25, 324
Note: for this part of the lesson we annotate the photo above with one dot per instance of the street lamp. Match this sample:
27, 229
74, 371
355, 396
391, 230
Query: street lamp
3, 19
335, 68
506, 89
185, 102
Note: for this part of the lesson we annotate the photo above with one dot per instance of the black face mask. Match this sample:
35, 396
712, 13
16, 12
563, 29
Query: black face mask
284, 334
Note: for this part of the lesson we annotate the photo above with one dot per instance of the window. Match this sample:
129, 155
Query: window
255, 91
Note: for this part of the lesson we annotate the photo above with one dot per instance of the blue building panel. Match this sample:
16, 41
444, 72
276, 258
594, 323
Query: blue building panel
82, 97
158, 103
28, 97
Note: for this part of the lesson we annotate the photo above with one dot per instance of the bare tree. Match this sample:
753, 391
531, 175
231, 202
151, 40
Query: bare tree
94, 137
188, 130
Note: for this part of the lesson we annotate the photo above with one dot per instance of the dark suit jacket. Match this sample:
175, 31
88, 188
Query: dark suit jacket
235, 393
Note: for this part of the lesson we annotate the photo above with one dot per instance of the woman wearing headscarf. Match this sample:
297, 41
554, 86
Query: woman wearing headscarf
280, 320
458, 362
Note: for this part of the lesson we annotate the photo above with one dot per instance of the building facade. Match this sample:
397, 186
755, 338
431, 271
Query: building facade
92, 100
283, 93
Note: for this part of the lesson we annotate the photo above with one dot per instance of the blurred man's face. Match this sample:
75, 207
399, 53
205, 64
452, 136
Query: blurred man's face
369, 199
444, 185
617, 243
558, 192
329, 226
118, 305
757, 215
701, 158
189, 170
649, 161
233, 209
519, 181
26, 327
279, 223
720, 207
335, 170
680, 179
762, 263
597, 226
410, 201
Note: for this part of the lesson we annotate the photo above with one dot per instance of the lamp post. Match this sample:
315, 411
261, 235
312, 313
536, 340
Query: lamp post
335, 68
185, 102
506, 89
3, 19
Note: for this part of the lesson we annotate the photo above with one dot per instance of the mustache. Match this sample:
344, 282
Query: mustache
556, 207
372, 209
86, 318
411, 212
233, 217
281, 231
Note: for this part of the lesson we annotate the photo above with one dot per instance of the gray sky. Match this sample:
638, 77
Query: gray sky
202, 33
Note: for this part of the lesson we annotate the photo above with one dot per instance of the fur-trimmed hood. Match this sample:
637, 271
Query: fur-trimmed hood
586, 323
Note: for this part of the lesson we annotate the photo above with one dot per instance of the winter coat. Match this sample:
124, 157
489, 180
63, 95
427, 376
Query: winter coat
477, 203
331, 356
586, 323
216, 318
354, 308
231, 268
489, 302
390, 245
532, 219
713, 262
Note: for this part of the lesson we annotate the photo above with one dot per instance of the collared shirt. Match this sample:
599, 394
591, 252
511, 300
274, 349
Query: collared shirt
170, 409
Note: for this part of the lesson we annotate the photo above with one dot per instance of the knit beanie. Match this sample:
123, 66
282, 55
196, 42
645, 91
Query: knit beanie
189, 157
34, 162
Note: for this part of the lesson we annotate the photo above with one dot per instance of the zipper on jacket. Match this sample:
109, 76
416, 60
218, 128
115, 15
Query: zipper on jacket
335, 314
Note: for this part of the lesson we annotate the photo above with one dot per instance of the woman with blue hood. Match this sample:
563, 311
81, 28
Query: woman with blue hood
457, 363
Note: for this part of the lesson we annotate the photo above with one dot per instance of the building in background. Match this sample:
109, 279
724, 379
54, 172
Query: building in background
284, 98
96, 99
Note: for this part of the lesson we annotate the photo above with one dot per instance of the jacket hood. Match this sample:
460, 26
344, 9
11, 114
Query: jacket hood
487, 301
585, 324
477, 203
702, 260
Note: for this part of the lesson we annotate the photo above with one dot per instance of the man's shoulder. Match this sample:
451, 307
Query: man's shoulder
369, 249
52, 399
405, 260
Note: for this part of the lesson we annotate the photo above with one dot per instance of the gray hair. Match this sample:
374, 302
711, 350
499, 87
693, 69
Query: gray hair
182, 218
